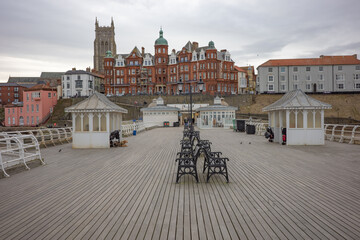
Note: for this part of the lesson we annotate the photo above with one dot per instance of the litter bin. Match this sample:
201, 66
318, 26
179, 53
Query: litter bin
250, 129
234, 124
134, 132
166, 124
240, 125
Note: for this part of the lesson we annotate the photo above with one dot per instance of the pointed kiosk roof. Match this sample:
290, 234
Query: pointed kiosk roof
296, 99
97, 102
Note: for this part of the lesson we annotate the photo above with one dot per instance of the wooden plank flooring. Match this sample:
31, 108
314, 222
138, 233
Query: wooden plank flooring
275, 192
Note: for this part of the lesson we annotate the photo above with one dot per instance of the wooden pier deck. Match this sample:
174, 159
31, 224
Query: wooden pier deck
275, 192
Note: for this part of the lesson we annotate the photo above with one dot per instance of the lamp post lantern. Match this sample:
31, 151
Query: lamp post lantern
200, 86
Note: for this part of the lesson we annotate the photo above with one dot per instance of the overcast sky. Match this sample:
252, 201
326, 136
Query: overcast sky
43, 36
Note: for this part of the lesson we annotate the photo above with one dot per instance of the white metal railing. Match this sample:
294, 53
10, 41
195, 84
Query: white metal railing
343, 133
45, 135
138, 126
17, 149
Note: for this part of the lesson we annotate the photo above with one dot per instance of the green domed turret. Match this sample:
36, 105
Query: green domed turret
161, 40
108, 54
211, 45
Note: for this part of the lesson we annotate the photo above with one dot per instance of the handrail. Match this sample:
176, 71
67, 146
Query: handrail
18, 149
139, 126
342, 133
46, 136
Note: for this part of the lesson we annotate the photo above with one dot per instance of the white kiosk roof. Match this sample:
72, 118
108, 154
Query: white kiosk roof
296, 99
97, 102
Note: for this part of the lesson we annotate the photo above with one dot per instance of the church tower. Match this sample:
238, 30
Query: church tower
104, 41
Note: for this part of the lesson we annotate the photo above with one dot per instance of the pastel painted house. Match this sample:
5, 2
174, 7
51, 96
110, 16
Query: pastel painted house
38, 103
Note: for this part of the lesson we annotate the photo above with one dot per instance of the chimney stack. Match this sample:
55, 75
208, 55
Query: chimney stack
195, 45
88, 69
143, 51
73, 69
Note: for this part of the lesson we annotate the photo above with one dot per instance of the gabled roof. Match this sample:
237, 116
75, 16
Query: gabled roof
39, 87
52, 75
240, 69
296, 99
23, 79
322, 60
97, 102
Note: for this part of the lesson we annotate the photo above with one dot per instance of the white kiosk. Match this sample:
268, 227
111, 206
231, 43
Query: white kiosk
93, 120
301, 115
157, 113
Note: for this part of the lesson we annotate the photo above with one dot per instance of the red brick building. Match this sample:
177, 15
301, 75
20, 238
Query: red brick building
144, 73
11, 92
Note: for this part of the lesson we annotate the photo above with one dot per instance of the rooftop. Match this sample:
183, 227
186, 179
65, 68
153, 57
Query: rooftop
322, 60
275, 192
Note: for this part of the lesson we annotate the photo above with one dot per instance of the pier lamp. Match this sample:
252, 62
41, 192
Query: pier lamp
200, 85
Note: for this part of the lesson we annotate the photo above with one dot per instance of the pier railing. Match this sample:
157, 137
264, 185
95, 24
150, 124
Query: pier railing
46, 136
18, 149
343, 133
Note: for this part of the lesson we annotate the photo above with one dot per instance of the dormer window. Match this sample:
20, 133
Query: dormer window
133, 55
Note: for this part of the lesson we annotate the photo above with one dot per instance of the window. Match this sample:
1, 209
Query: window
357, 85
308, 78
35, 95
270, 69
308, 86
340, 86
27, 97
321, 68
295, 86
9, 121
282, 78
32, 108
67, 85
37, 107
27, 108
356, 76
340, 77
295, 69
282, 87
37, 120
32, 120
321, 77
357, 67
321, 86
282, 69
271, 87
27, 120
340, 68
78, 84
49, 95
270, 78
308, 69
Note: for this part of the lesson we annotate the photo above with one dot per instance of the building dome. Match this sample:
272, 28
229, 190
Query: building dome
108, 54
211, 45
161, 40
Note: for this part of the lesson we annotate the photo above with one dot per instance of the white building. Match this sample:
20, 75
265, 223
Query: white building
79, 83
157, 113
218, 115
301, 115
93, 119
323, 74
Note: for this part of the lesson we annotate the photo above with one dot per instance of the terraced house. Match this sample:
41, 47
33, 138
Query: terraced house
324, 74
144, 73
38, 103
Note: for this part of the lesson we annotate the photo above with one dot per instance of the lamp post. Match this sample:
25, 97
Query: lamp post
200, 85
